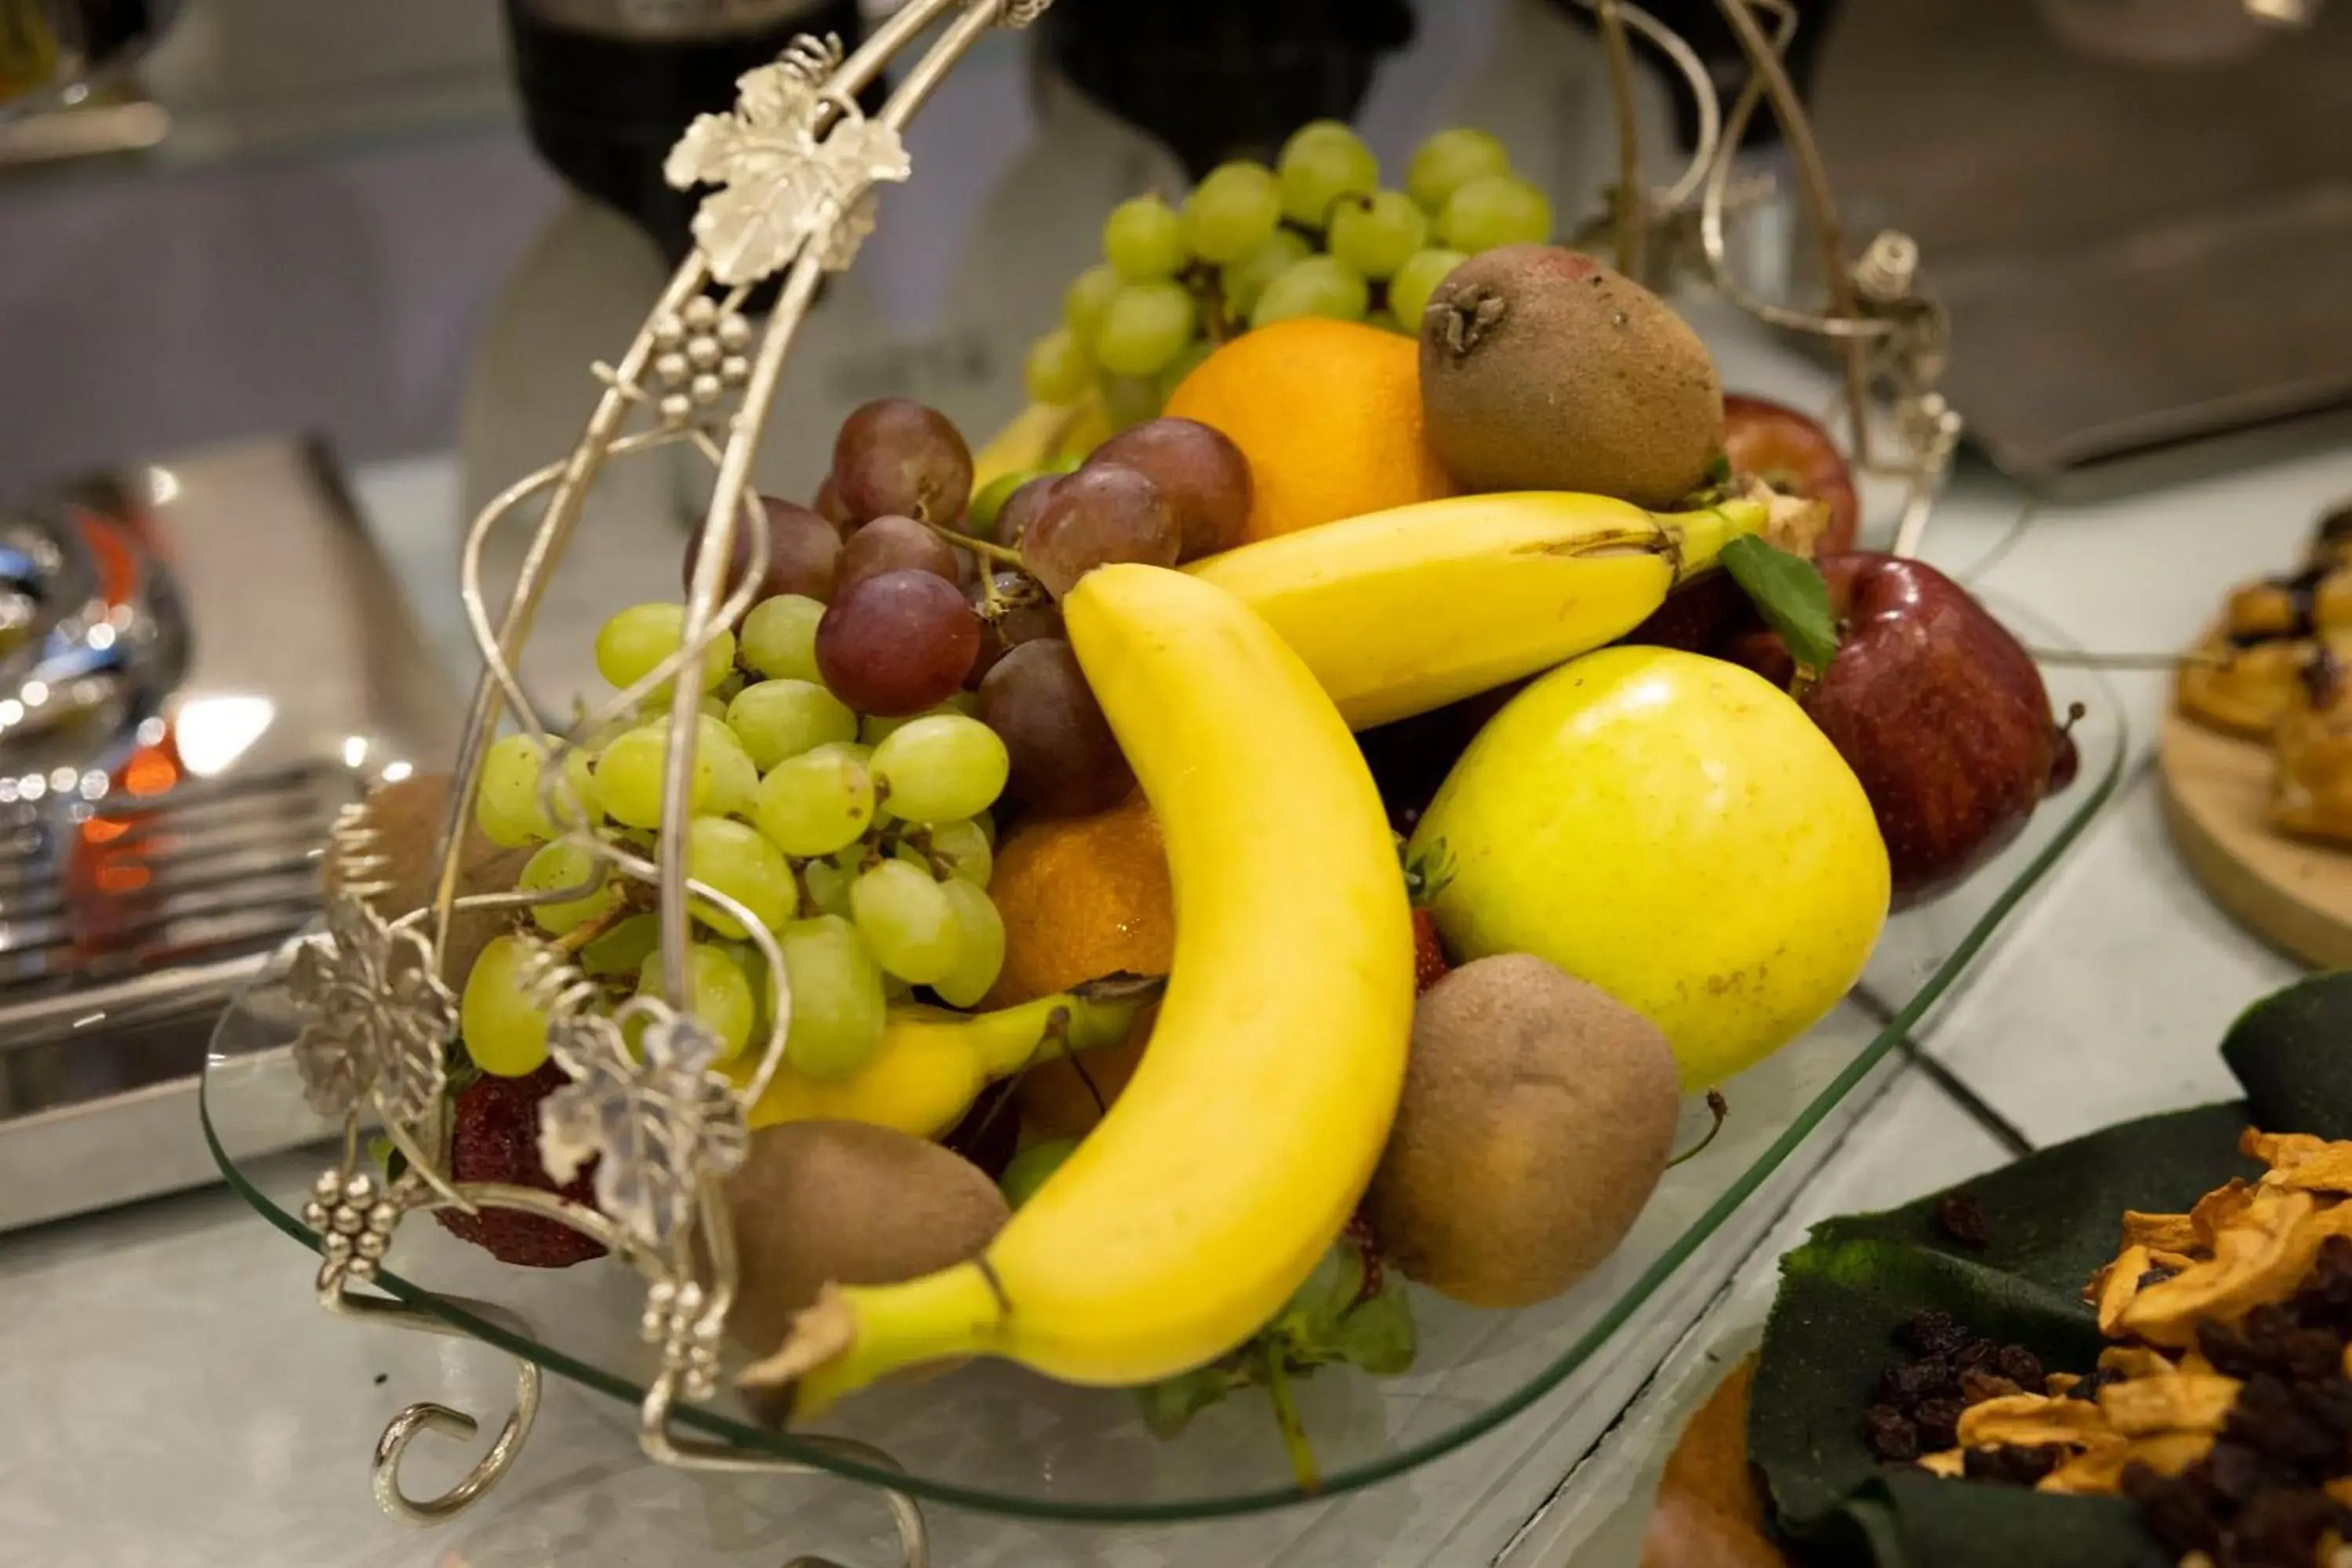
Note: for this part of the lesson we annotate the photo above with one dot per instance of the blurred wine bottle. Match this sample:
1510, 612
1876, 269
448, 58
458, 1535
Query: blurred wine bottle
607, 85
1212, 80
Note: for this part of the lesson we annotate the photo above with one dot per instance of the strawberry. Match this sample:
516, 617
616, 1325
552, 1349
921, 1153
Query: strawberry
1429, 966
496, 1138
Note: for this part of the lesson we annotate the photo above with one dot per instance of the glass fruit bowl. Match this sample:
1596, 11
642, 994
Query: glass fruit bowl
994, 1437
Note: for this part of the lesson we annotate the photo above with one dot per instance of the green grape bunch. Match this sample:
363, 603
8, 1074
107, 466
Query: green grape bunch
1316, 235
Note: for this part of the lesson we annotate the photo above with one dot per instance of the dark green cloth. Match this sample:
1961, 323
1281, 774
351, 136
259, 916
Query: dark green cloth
2053, 1219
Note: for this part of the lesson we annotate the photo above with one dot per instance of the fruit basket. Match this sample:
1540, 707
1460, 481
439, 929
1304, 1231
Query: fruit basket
977, 936
998, 1439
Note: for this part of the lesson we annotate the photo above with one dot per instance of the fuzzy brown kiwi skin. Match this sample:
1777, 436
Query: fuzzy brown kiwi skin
818, 1202
407, 819
1543, 369
1538, 1115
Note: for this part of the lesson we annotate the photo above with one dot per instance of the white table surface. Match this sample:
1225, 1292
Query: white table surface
177, 1398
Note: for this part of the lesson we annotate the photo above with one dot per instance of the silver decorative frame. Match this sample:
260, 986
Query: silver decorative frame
795, 168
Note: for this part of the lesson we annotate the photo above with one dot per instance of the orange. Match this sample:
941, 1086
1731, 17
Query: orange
1081, 896
1328, 414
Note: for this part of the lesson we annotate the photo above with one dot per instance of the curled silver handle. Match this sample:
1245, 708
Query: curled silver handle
428, 1417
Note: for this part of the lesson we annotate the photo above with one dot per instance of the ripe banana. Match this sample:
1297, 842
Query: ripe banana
931, 1063
1242, 1144
1400, 612
1040, 435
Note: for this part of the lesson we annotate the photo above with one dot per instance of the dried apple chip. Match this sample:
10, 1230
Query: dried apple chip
2259, 1259
2031, 1420
2217, 1209
2164, 1232
2117, 1287
2177, 1402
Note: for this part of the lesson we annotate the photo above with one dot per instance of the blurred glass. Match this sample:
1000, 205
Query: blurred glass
53, 52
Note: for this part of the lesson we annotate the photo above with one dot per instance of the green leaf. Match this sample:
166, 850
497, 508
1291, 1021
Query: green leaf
1788, 593
1169, 1405
1312, 1314
1377, 1333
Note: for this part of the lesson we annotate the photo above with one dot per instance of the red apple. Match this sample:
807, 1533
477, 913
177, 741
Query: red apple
1938, 711
1793, 454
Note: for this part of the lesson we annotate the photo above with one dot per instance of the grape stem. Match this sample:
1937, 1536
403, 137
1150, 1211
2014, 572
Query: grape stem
987, 549
588, 930
1719, 1107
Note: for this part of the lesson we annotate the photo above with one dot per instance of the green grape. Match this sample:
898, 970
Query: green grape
1143, 241
1146, 327
988, 501
621, 949
1378, 234
1416, 280
501, 832
908, 922
855, 751
1247, 278
964, 846
734, 778
829, 887
1028, 1168
895, 990
838, 1007
779, 637
738, 860
1450, 160
1180, 367
780, 719
940, 768
714, 706
1057, 370
1321, 163
629, 776
1084, 302
980, 944
873, 729
1386, 322
555, 867
1231, 212
633, 642
508, 805
986, 822
1318, 286
816, 803
1130, 399
504, 1031
1495, 210
719, 995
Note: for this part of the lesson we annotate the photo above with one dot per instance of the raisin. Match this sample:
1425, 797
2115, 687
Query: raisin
1890, 1433
1978, 1354
2173, 1510
2281, 1526
2020, 1366
2096, 1380
1931, 1333
1962, 1219
2304, 1354
1936, 1378
1906, 1385
1939, 1423
2237, 1472
1975, 1387
2327, 1400
2227, 1350
2268, 1419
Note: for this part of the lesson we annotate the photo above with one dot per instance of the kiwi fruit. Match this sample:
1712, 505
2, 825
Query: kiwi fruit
1543, 369
407, 819
1537, 1114
819, 1203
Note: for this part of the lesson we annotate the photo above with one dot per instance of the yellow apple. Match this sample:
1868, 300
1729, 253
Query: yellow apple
1675, 830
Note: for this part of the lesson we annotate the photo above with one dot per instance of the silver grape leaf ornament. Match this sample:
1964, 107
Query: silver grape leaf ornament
656, 1120
377, 1020
781, 184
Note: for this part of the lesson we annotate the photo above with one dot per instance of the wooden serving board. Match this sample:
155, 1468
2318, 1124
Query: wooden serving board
2294, 892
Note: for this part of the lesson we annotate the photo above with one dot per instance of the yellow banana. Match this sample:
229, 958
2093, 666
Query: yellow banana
931, 1063
1400, 612
1040, 435
1242, 1144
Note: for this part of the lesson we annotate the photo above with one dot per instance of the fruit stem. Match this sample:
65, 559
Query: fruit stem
1721, 1108
588, 930
1286, 1417
987, 549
